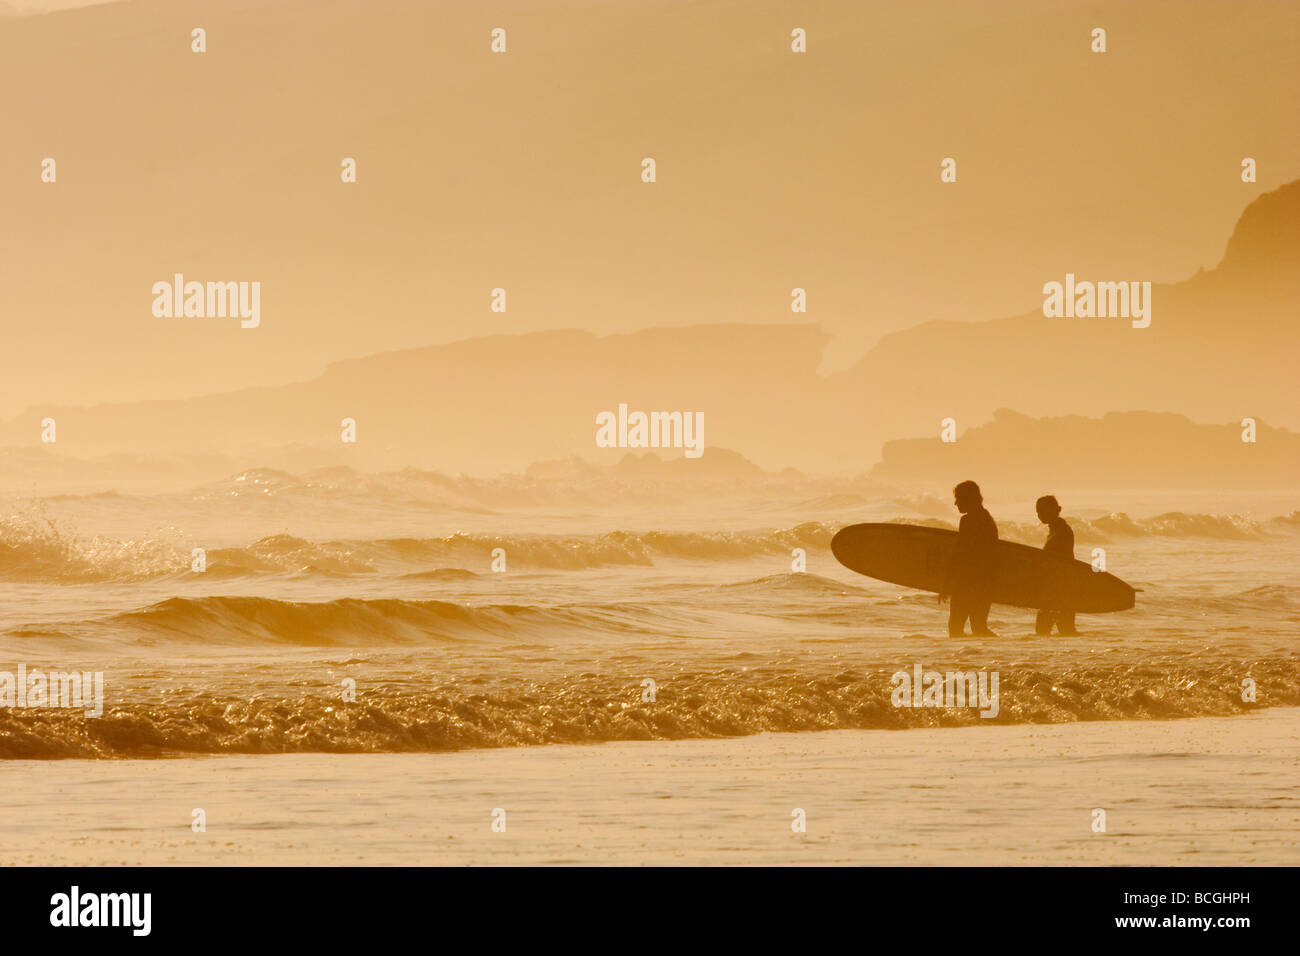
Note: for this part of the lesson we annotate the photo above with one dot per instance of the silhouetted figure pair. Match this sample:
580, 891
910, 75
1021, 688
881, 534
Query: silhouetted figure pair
971, 575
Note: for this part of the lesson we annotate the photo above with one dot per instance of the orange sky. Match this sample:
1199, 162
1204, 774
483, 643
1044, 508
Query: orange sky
775, 170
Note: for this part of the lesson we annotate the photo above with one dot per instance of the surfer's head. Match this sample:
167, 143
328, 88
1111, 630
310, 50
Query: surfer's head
1047, 507
966, 496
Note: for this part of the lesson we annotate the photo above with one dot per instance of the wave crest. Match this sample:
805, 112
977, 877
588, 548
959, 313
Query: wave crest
592, 708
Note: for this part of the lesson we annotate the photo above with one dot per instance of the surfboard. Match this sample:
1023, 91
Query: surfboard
918, 557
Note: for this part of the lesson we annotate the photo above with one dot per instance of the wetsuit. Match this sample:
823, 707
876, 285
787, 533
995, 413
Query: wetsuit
1060, 541
970, 580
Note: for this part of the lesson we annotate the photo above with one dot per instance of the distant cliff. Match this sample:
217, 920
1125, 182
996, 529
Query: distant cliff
1015, 453
1221, 346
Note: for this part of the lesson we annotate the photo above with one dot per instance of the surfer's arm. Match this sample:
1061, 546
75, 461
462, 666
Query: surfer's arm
960, 556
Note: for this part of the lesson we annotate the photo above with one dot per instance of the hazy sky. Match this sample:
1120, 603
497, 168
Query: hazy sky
27, 7
522, 170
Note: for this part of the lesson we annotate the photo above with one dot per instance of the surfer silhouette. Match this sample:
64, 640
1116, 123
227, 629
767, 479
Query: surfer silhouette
1060, 541
970, 576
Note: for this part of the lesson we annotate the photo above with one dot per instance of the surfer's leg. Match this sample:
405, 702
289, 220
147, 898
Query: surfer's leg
1065, 623
957, 611
1043, 622
979, 618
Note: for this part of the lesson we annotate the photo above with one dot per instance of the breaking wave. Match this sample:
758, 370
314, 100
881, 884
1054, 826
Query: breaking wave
592, 708
36, 550
359, 622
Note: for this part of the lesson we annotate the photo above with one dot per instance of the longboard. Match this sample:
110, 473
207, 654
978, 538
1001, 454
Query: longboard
918, 557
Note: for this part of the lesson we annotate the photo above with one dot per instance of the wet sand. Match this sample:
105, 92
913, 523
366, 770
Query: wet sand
1203, 791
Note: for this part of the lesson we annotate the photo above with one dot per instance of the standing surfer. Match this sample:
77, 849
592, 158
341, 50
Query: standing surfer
1060, 542
970, 576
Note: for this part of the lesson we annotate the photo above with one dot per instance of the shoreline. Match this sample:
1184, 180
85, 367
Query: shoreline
1192, 791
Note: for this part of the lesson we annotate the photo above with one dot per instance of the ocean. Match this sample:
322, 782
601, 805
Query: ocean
344, 612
